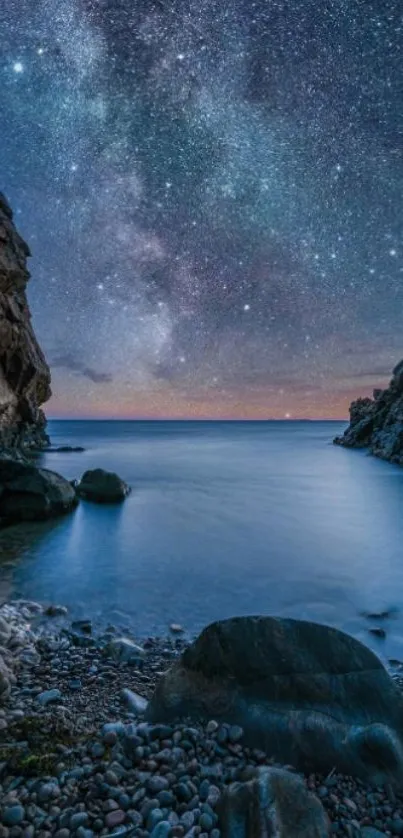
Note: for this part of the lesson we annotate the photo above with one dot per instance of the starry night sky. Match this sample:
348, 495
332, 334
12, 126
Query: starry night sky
212, 193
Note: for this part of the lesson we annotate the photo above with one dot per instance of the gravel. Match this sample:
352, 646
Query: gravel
83, 764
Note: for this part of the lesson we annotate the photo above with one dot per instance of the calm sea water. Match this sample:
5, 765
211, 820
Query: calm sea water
223, 519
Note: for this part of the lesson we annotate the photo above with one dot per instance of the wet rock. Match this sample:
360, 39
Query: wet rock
102, 486
65, 449
56, 611
378, 632
309, 695
82, 625
32, 494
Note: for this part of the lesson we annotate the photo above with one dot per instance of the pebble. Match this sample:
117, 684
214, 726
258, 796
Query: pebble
119, 777
161, 830
78, 819
115, 818
48, 697
136, 702
13, 815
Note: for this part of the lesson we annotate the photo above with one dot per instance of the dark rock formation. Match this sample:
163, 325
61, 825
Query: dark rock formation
24, 373
309, 695
377, 423
275, 803
28, 493
102, 486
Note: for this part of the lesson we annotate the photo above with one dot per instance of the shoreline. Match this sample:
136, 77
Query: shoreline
76, 759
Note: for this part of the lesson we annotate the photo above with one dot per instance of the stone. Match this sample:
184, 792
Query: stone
124, 650
78, 819
115, 818
65, 449
308, 695
275, 802
161, 830
378, 632
102, 486
377, 423
32, 494
56, 611
13, 815
24, 373
6, 679
370, 832
82, 625
136, 703
49, 697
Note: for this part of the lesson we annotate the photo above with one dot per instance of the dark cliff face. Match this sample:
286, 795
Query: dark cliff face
24, 373
377, 423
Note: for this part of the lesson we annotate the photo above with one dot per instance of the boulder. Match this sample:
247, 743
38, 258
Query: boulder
102, 486
275, 802
309, 695
28, 493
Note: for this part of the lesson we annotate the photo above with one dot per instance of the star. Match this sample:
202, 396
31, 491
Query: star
202, 189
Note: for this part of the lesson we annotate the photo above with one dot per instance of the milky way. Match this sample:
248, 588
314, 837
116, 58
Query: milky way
212, 195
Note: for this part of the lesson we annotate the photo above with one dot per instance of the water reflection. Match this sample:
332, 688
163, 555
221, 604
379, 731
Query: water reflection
222, 520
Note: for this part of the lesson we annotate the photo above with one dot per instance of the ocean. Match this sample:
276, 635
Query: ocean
224, 518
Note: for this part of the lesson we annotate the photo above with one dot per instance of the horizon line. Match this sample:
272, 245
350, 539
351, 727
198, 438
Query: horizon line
192, 419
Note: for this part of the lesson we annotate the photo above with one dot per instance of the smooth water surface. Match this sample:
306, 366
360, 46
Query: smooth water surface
223, 519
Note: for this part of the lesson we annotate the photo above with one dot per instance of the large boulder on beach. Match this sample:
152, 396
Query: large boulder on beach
28, 493
309, 695
275, 802
102, 486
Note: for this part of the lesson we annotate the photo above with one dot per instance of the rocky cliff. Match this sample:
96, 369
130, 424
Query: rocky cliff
377, 423
24, 373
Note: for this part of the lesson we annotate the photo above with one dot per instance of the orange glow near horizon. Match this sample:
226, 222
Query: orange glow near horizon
313, 406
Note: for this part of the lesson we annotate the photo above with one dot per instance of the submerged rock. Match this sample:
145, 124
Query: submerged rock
28, 493
102, 486
307, 694
377, 423
276, 803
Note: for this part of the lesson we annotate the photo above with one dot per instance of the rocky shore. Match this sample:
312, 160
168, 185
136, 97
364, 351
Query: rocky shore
78, 759
377, 423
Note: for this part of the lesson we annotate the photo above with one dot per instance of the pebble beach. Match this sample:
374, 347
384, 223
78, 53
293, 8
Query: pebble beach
77, 759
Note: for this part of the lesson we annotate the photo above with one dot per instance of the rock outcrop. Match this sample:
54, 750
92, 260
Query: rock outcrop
24, 373
307, 694
377, 423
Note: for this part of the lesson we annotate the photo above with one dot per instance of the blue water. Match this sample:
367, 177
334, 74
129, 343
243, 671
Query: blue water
223, 519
